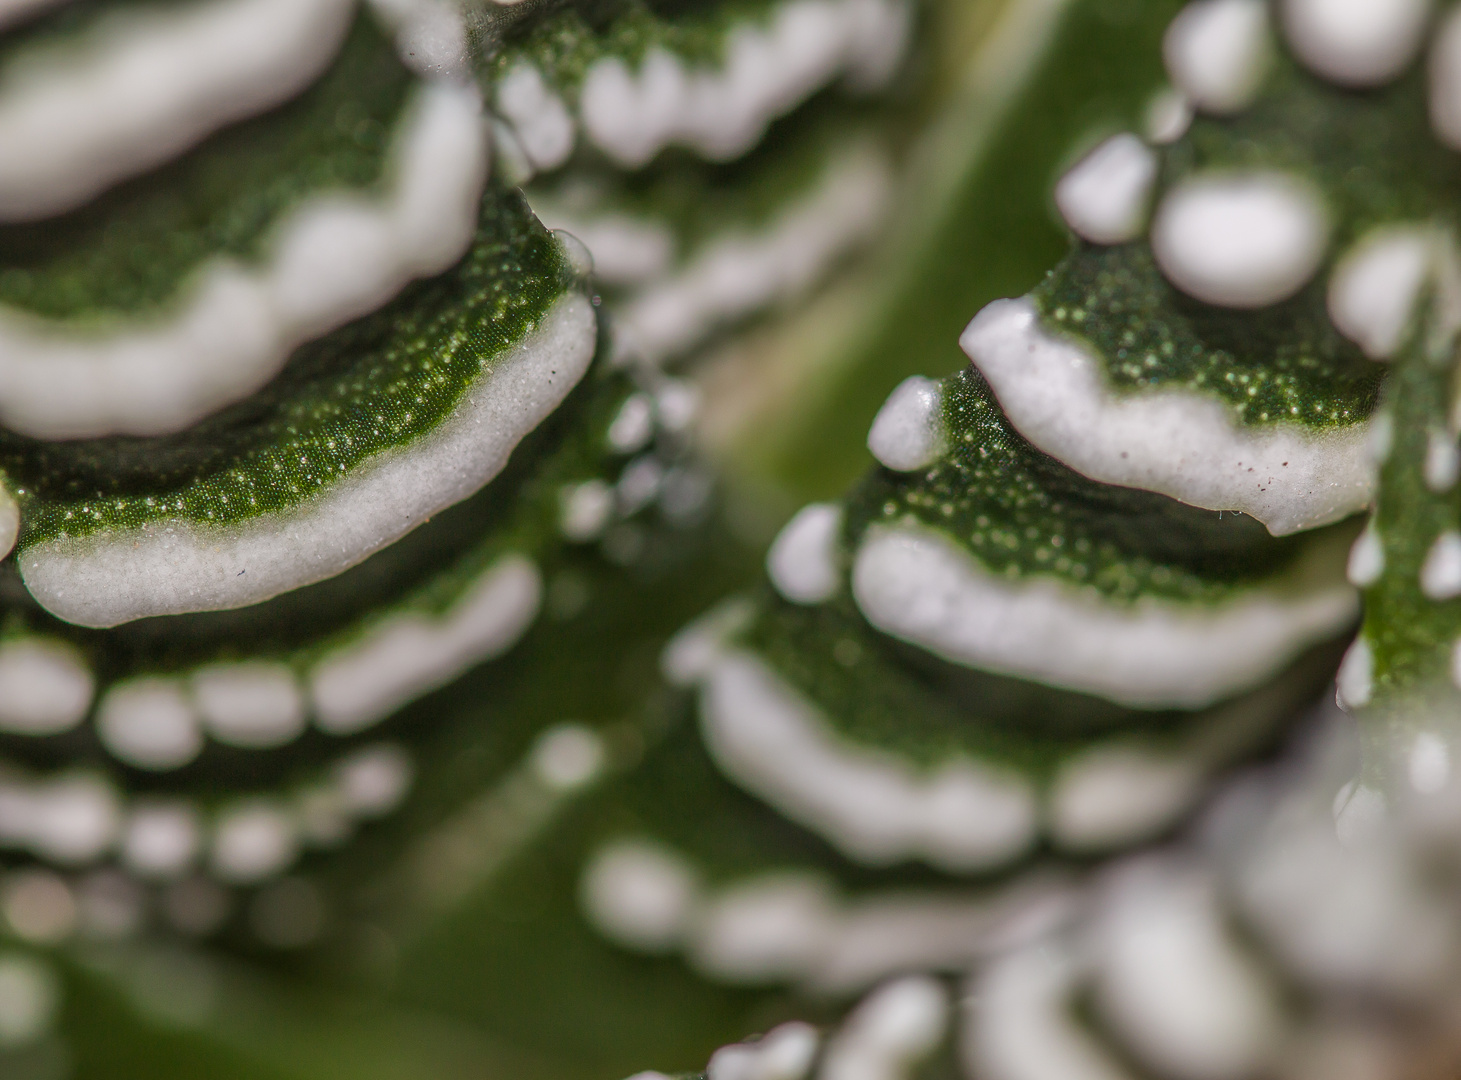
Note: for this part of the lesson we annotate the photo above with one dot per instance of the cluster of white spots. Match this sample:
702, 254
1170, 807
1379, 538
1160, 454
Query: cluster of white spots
405, 655
431, 35
255, 704
1112, 796
736, 274
1440, 574
1105, 197
1356, 679
149, 723
177, 566
45, 686
1356, 42
919, 586
768, 69
1366, 557
1374, 289
135, 88
1445, 80
1442, 460
908, 432
9, 521
891, 1032
30, 996
541, 124
1168, 116
803, 561
784, 1053
1177, 443
872, 804
1218, 53
253, 840
70, 819
585, 509
1240, 240
161, 839
333, 258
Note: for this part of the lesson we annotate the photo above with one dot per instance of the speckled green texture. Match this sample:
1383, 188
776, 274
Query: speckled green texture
1022, 513
129, 251
376, 384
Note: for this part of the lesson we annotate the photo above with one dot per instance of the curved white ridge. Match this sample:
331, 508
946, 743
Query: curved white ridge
406, 655
908, 432
333, 258
1445, 80
1218, 52
1355, 681
1374, 289
1110, 796
1180, 443
871, 804
1356, 42
1104, 196
254, 704
786, 1052
921, 587
803, 562
631, 115
45, 687
890, 1032
1242, 239
735, 275
177, 566
145, 84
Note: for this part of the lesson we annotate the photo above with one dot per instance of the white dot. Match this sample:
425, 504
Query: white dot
1366, 558
254, 705
1374, 289
29, 997
676, 403
1440, 574
633, 425
161, 839
1104, 198
1430, 763
38, 906
1356, 42
45, 687
253, 841
149, 724
73, 819
568, 756
1218, 52
803, 561
585, 509
1168, 116
1242, 240
1442, 461
639, 894
639, 484
1355, 682
1445, 80
908, 432
374, 779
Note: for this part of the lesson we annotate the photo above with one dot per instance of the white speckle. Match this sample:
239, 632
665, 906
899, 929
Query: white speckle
584, 510
908, 432
374, 779
253, 841
408, 654
1240, 240
1182, 444
1374, 289
45, 687
161, 839
633, 424
676, 403
1440, 574
784, 1053
639, 484
803, 561
1442, 461
1366, 558
1355, 682
1168, 116
149, 724
1105, 197
917, 585
1429, 765
72, 819
640, 894
38, 906
692, 653
1359, 814
254, 704
544, 128
889, 1033
1356, 42
872, 804
288, 914
9, 521
1218, 52
1113, 796
1445, 80
30, 995
568, 756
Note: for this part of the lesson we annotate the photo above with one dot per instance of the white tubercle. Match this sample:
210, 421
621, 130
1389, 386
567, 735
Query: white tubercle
917, 585
373, 780
333, 258
890, 1032
71, 819
252, 704
1366, 558
908, 432
768, 69
1440, 574
143, 84
1218, 52
737, 274
1356, 42
1168, 116
1104, 198
253, 841
1174, 984
9, 521
1240, 240
1374, 289
1445, 80
1180, 443
161, 839
1112, 796
540, 119
640, 894
692, 654
38, 906
1442, 461
803, 561
868, 802
407, 655
784, 1053
30, 998
178, 566
1355, 681
633, 425
45, 687
585, 510
568, 757
150, 724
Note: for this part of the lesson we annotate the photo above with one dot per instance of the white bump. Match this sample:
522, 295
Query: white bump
30, 996
149, 724
1104, 198
38, 906
691, 654
373, 780
908, 432
73, 819
1241, 240
255, 704
1218, 52
585, 509
803, 560
1366, 558
568, 756
1429, 763
253, 841
544, 128
1440, 574
9, 521
1168, 116
639, 484
45, 687
633, 424
640, 894
889, 1033
784, 1053
1356, 42
676, 403
1110, 796
161, 839
1445, 80
1355, 682
1442, 461
1374, 289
